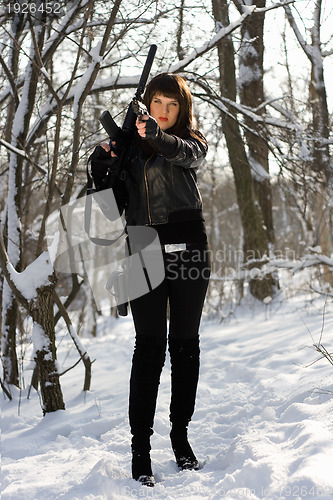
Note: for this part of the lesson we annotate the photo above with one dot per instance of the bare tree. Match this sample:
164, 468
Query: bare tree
252, 95
255, 237
40, 308
23, 134
319, 164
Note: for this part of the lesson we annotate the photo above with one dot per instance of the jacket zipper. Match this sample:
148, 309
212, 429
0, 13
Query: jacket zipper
147, 188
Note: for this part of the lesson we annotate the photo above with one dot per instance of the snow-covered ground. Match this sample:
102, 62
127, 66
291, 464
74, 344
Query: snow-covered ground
263, 425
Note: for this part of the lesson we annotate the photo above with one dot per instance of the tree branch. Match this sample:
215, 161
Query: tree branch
305, 46
81, 350
11, 80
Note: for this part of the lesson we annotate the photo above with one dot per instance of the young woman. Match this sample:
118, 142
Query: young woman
162, 192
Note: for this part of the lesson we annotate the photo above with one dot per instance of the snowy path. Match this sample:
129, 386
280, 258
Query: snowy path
261, 428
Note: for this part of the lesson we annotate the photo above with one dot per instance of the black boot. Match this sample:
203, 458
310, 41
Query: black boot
141, 464
185, 458
185, 360
141, 468
147, 364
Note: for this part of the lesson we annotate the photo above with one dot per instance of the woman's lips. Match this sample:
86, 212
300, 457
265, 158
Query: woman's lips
163, 118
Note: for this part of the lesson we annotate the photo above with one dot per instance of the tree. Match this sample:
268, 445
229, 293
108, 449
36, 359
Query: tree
255, 237
40, 308
319, 164
23, 137
252, 95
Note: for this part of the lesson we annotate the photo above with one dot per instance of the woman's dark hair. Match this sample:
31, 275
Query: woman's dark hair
174, 87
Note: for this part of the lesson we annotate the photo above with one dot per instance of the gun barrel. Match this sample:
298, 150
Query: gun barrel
146, 71
114, 132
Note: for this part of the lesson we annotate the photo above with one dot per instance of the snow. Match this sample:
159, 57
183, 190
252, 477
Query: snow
262, 428
12, 148
34, 276
248, 73
40, 340
84, 81
258, 171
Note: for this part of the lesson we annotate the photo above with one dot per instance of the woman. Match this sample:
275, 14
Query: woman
161, 192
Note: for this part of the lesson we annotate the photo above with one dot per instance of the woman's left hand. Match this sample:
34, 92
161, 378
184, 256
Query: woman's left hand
147, 127
107, 148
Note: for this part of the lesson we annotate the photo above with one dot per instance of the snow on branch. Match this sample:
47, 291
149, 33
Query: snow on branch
117, 82
308, 50
259, 268
208, 45
6, 267
314, 257
63, 29
99, 85
222, 104
248, 10
34, 276
13, 149
59, 33
85, 80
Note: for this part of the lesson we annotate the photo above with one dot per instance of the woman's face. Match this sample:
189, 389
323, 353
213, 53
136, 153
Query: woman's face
165, 110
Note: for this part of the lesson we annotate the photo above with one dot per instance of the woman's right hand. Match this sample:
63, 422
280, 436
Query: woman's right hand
107, 148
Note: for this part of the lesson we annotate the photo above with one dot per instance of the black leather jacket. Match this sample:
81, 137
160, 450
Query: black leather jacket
158, 186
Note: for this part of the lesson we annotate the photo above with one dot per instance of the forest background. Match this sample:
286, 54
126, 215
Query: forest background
258, 72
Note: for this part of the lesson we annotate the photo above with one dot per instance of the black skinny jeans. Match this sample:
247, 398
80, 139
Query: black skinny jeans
184, 286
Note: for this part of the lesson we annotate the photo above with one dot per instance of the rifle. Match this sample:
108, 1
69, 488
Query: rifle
123, 137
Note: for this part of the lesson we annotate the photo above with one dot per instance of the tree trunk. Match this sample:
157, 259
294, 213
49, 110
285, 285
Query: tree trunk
321, 154
45, 351
8, 340
40, 309
9, 304
255, 244
19, 129
252, 94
